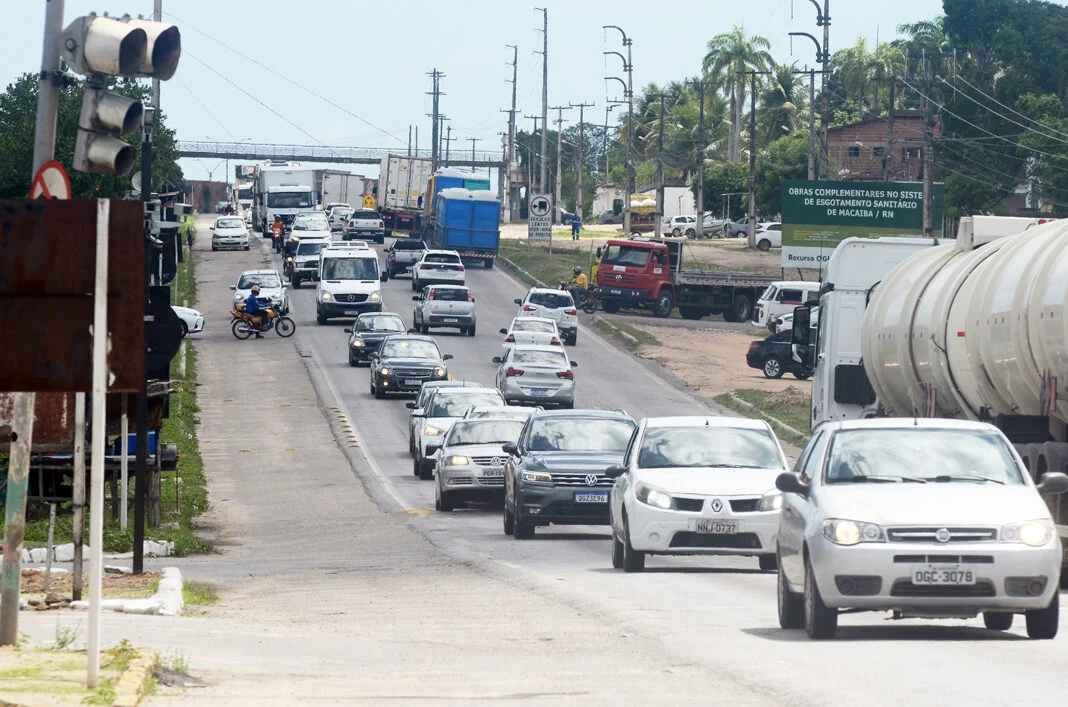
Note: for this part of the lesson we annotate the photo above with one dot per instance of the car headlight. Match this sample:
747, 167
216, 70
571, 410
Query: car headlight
537, 477
439, 371
383, 371
771, 501
327, 297
431, 431
654, 497
1034, 533
357, 343
289, 260
375, 296
851, 532
457, 460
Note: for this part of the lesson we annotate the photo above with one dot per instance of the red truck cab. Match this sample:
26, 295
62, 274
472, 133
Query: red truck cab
636, 273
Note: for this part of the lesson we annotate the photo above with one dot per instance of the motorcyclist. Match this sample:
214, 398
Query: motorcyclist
255, 307
579, 285
278, 229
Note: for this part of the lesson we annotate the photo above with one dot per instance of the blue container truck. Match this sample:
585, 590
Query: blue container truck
466, 221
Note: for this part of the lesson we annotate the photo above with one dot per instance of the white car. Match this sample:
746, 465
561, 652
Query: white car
444, 407
310, 226
533, 331
271, 288
769, 235
438, 267
536, 375
470, 464
926, 518
783, 322
338, 215
552, 304
192, 320
444, 306
680, 226
697, 486
229, 232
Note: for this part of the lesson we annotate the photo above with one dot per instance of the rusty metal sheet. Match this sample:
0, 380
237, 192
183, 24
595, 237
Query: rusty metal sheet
47, 271
53, 423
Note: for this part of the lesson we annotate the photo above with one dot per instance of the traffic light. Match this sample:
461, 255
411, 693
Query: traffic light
105, 117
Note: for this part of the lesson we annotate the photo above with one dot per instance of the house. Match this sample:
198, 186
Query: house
678, 200
860, 149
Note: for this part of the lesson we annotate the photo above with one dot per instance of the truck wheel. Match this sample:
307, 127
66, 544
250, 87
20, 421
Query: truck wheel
773, 367
664, 304
610, 306
764, 244
691, 313
489, 263
741, 309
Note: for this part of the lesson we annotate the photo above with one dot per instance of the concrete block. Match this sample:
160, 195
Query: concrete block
39, 555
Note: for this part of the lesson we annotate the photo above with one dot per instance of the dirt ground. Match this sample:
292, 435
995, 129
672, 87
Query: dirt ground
125, 586
713, 361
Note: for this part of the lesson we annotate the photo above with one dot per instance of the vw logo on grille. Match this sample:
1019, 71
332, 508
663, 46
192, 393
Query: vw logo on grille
717, 505
591, 479
497, 461
943, 535
619, 278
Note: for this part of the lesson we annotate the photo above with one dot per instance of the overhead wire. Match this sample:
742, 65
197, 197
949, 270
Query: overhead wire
1003, 117
1011, 110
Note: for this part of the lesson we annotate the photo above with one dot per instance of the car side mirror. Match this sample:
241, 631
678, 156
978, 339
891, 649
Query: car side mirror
233, 287
518, 301
1053, 482
446, 357
599, 251
504, 331
432, 449
574, 364
413, 331
415, 298
614, 472
498, 359
510, 448
789, 482
410, 405
801, 332
348, 331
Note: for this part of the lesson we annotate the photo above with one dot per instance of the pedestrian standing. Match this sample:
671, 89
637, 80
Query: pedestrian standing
576, 226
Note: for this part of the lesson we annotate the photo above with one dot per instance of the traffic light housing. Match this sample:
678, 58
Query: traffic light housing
105, 117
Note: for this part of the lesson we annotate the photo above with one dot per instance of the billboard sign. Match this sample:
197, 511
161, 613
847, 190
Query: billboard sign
817, 216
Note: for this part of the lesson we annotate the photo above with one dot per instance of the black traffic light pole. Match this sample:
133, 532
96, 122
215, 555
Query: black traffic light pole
140, 472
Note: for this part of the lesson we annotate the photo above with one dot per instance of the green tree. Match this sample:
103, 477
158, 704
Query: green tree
730, 55
785, 158
18, 115
783, 103
725, 178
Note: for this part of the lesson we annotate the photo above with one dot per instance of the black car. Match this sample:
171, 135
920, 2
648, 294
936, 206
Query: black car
774, 355
555, 473
368, 332
404, 362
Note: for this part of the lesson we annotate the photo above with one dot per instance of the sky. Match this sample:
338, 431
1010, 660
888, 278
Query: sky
372, 60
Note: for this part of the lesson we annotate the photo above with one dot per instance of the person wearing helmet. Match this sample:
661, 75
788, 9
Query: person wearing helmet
579, 285
278, 229
255, 307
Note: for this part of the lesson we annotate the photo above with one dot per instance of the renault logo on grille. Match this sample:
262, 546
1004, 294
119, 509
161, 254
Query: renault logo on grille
591, 479
717, 505
943, 535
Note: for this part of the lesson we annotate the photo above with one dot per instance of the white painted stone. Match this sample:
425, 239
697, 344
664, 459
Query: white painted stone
169, 592
39, 554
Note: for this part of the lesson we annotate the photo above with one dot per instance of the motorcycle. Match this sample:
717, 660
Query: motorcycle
587, 302
243, 327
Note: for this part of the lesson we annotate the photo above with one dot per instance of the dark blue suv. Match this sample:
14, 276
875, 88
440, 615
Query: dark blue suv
774, 356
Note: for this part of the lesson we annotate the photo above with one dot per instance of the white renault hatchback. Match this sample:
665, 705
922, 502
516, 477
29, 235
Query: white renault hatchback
697, 486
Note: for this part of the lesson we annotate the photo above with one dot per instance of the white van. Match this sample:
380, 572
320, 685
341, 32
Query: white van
350, 281
781, 297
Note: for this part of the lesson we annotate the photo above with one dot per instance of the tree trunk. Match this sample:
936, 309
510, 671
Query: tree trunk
734, 148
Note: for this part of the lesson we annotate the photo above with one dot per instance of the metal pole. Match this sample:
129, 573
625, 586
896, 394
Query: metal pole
630, 138
660, 173
409, 140
15, 516
513, 199
825, 162
51, 539
124, 478
812, 125
543, 174
140, 480
44, 138
559, 160
78, 494
752, 161
701, 158
928, 155
157, 15
580, 159
96, 478
888, 158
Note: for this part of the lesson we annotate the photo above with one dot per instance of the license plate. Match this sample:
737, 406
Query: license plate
616, 292
352, 313
942, 575
715, 527
495, 472
451, 320
601, 497
412, 381
539, 391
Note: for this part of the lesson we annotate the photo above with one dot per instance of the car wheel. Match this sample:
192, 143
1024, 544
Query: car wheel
769, 562
471, 331
426, 470
380, 240
185, 329
570, 405
764, 244
773, 367
424, 329
319, 318
801, 376
820, 620
442, 502
353, 362
691, 233
1042, 623
296, 282
675, 232
246, 247
633, 561
996, 621
214, 249
617, 552
415, 466
508, 521
572, 338
379, 393
522, 529
791, 604
415, 284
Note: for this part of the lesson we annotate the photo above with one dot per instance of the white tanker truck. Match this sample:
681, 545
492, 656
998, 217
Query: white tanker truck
973, 328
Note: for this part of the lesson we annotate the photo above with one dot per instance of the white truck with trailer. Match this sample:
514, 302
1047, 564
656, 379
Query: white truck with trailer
282, 190
972, 328
344, 188
402, 183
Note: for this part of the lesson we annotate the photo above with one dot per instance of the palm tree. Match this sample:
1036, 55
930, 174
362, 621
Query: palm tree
729, 56
782, 103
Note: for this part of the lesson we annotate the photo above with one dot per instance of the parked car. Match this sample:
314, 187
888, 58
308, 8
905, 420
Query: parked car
444, 407
423, 396
769, 236
739, 228
783, 322
555, 473
271, 288
608, 216
438, 267
192, 320
402, 254
712, 226
774, 356
680, 226
370, 330
927, 518
470, 464
229, 232
404, 362
697, 486
552, 304
451, 306
536, 331
781, 297
536, 374
365, 223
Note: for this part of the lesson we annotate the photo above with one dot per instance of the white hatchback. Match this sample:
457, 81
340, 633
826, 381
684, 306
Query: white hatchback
229, 232
438, 267
552, 304
533, 331
697, 486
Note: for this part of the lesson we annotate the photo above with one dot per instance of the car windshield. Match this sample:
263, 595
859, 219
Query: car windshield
769, 294
551, 300
532, 325
450, 294
921, 454
230, 223
312, 248
350, 269
703, 447
380, 322
341, 211
263, 279
410, 348
508, 412
311, 224
450, 404
441, 258
546, 359
625, 255
290, 200
485, 432
574, 434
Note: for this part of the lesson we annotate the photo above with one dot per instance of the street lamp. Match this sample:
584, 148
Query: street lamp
628, 66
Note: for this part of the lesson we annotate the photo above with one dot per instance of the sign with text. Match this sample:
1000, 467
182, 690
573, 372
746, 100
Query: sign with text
817, 216
540, 218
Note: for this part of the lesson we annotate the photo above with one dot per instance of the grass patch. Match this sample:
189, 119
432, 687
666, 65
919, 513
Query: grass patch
632, 338
787, 407
199, 593
173, 661
536, 261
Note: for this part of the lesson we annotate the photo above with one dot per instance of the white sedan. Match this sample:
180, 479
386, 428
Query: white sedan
697, 486
926, 518
192, 320
532, 331
229, 232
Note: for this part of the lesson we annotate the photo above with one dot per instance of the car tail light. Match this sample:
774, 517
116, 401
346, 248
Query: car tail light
528, 308
566, 374
754, 344
352, 224
571, 312
555, 342
460, 268
514, 372
381, 224
509, 339
470, 297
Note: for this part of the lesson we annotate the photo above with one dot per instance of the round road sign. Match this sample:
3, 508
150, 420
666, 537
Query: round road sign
51, 182
540, 205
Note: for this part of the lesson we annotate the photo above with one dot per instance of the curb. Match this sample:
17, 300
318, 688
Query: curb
130, 687
777, 421
167, 601
515, 268
616, 330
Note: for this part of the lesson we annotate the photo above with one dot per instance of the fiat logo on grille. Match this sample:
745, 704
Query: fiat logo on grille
717, 505
943, 535
591, 479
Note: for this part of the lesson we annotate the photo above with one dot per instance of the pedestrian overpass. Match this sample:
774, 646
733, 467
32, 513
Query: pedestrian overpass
326, 154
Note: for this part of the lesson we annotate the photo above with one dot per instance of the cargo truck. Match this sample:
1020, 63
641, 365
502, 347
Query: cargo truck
648, 273
461, 214
971, 328
344, 188
401, 181
283, 190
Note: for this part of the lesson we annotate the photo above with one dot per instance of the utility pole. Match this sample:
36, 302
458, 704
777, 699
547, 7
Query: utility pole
531, 167
628, 66
543, 173
660, 172
611, 106
700, 156
441, 133
888, 156
752, 161
435, 135
812, 125
559, 158
824, 19
409, 140
473, 141
448, 143
511, 200
928, 150
580, 155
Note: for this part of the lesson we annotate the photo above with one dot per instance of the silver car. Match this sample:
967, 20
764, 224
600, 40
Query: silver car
925, 518
426, 391
536, 374
229, 232
271, 288
470, 463
444, 306
444, 407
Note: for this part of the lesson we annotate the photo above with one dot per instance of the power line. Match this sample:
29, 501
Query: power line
1011, 110
1003, 117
